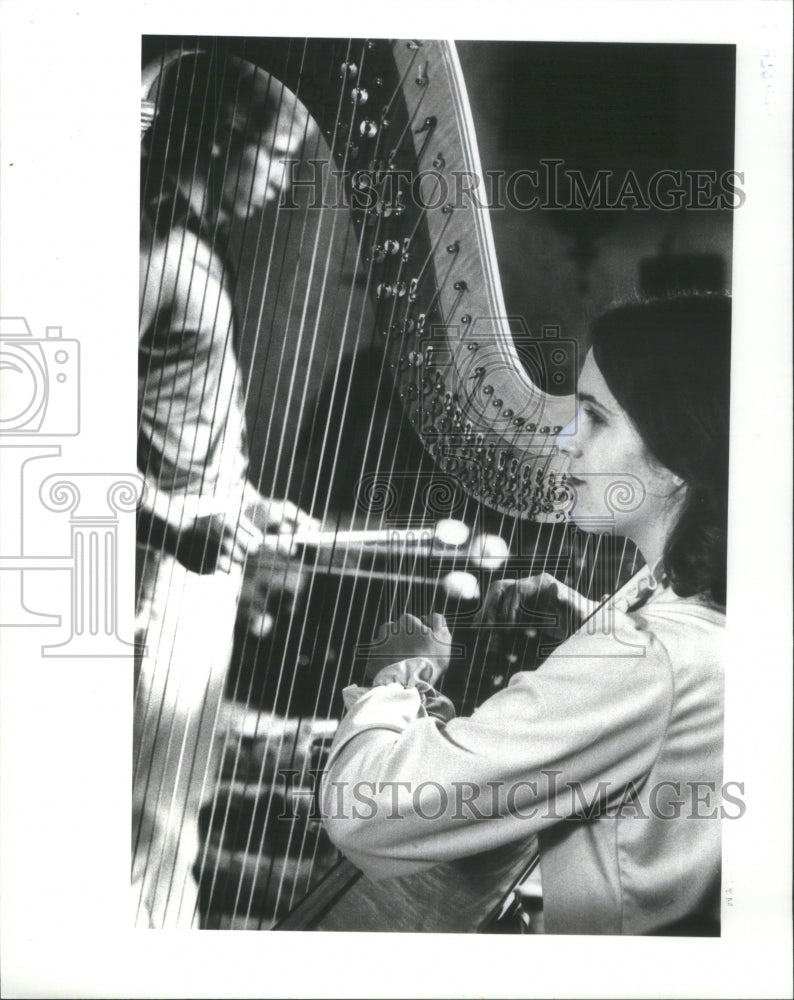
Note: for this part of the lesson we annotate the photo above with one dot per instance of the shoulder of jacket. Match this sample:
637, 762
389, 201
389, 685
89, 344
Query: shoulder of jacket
615, 646
180, 268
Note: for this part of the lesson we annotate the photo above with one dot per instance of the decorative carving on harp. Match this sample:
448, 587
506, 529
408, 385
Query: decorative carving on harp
354, 316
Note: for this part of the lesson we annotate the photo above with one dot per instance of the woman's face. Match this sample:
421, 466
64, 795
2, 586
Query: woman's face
616, 483
258, 173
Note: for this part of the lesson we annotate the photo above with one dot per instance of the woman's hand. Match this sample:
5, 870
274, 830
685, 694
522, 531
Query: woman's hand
537, 602
276, 520
212, 543
411, 638
192, 527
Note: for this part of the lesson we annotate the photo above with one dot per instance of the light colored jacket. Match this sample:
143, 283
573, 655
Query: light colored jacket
610, 752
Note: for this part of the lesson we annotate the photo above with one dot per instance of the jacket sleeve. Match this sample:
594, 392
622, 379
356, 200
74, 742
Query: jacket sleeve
404, 790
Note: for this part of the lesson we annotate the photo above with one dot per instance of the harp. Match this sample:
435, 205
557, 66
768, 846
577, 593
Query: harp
368, 310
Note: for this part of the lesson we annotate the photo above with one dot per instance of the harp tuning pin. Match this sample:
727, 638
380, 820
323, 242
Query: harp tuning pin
557, 429
472, 346
413, 45
460, 286
413, 289
453, 247
439, 163
488, 390
421, 79
381, 250
545, 430
368, 129
465, 318
497, 403
507, 414
447, 210
148, 114
358, 95
415, 359
348, 70
378, 81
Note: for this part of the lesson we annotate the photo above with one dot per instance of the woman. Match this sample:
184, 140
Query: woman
610, 752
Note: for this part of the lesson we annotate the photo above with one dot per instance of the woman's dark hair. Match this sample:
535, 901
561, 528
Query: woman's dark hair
667, 362
203, 99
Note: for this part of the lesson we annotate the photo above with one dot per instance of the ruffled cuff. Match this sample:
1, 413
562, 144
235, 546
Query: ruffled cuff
410, 673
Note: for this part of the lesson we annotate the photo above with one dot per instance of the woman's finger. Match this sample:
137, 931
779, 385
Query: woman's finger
410, 623
438, 623
494, 599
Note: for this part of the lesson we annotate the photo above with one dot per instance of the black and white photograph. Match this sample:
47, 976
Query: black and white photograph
428, 604
406, 504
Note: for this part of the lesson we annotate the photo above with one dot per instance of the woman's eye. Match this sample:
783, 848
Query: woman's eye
593, 415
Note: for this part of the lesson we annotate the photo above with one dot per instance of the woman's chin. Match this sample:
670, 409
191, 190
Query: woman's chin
588, 520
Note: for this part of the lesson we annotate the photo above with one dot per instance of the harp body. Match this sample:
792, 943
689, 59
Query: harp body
394, 153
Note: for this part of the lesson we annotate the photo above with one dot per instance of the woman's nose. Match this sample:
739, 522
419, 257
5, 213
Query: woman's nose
566, 441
